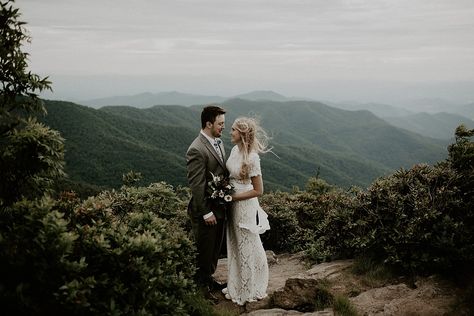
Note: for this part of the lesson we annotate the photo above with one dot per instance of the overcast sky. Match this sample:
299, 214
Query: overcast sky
379, 50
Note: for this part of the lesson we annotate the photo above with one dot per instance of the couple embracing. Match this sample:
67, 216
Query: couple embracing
238, 222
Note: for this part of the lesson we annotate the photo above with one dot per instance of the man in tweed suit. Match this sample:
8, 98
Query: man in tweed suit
204, 156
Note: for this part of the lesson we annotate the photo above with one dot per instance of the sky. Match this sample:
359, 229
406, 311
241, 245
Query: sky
389, 51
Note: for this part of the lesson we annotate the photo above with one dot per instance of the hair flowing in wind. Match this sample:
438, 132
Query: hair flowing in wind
254, 139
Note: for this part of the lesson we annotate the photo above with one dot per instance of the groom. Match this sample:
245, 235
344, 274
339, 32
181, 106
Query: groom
205, 156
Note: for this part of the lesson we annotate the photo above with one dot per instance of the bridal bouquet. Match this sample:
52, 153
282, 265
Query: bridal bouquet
220, 190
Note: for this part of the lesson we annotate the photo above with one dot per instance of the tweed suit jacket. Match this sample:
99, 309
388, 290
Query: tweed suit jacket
201, 160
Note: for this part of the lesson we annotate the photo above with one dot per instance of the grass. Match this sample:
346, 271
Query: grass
339, 303
343, 307
224, 312
324, 297
372, 273
200, 305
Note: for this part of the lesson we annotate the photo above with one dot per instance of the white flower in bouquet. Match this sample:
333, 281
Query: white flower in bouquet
219, 189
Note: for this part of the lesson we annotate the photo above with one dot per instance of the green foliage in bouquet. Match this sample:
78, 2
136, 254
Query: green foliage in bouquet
112, 254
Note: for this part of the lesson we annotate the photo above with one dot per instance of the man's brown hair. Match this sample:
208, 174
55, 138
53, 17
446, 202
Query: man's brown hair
209, 114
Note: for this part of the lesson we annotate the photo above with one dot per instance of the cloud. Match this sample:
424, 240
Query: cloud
308, 40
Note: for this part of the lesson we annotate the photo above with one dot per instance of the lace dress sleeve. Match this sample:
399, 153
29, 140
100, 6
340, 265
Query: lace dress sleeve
255, 169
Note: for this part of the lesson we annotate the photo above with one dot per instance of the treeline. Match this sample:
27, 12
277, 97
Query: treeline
345, 148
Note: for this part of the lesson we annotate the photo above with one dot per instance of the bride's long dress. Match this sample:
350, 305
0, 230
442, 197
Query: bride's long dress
247, 262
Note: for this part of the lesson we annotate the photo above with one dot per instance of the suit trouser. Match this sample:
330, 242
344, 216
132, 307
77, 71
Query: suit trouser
208, 239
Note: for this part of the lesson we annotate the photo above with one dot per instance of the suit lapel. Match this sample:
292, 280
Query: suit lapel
211, 149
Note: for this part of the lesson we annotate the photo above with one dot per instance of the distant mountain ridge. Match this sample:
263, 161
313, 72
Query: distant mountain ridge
266, 95
438, 125
145, 100
379, 109
344, 147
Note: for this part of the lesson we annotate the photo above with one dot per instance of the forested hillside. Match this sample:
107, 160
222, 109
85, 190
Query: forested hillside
438, 125
345, 148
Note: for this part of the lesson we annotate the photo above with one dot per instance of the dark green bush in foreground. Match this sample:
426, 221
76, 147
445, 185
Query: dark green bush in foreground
419, 220
110, 255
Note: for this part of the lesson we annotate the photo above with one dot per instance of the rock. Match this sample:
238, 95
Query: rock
426, 299
271, 258
283, 312
327, 270
261, 304
300, 294
294, 288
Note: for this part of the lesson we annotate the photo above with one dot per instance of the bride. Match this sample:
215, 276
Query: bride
247, 261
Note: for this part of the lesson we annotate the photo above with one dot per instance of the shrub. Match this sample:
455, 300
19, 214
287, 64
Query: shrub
341, 230
286, 233
31, 159
412, 211
419, 220
36, 258
68, 257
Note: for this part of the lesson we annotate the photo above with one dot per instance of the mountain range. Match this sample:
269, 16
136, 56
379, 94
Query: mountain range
145, 100
429, 117
437, 125
309, 138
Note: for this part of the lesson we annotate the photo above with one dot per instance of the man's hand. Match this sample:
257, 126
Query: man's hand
212, 220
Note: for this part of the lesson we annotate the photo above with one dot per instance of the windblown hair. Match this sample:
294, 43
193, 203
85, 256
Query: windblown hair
254, 139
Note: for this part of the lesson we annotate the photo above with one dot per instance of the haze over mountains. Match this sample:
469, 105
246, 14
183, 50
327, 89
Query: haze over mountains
145, 100
344, 147
431, 117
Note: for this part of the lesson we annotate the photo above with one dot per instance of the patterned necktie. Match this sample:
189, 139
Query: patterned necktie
217, 148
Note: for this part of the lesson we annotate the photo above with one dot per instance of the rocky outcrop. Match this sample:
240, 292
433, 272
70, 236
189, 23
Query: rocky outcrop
283, 312
294, 288
298, 294
427, 299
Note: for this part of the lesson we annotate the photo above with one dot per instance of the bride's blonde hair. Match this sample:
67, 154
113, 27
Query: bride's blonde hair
253, 138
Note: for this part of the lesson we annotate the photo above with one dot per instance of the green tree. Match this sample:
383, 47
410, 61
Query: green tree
31, 154
461, 157
18, 94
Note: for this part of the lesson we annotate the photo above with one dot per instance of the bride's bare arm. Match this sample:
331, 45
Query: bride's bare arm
257, 190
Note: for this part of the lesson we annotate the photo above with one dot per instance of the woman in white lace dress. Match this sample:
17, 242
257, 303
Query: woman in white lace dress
247, 262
